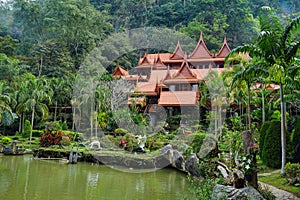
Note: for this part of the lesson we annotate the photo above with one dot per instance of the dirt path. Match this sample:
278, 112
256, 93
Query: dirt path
280, 194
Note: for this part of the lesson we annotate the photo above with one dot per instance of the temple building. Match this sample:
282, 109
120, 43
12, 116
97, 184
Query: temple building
172, 80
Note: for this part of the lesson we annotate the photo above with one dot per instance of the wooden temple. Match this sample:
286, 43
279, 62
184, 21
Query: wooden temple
171, 80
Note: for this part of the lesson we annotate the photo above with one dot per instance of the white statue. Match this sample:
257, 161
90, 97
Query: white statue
95, 143
141, 141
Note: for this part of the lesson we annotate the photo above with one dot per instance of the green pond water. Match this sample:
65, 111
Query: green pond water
22, 177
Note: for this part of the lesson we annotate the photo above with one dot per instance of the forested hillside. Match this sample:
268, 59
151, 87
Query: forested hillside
52, 37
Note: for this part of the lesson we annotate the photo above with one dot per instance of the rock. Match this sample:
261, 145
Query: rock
178, 160
191, 165
165, 149
223, 171
231, 193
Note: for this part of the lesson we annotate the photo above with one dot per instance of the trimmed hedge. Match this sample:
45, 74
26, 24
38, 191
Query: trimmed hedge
262, 135
271, 152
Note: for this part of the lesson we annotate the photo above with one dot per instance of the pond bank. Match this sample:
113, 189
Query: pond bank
167, 157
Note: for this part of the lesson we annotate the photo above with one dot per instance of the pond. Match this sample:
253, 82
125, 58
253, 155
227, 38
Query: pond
22, 177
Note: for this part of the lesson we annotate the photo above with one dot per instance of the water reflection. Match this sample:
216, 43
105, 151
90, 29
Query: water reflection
22, 177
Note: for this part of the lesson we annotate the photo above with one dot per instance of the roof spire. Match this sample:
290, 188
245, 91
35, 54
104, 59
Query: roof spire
178, 53
201, 51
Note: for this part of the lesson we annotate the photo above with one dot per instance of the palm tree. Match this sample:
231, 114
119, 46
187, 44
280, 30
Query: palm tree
5, 101
38, 95
277, 49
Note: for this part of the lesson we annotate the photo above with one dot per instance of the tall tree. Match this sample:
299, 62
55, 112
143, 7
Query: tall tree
276, 47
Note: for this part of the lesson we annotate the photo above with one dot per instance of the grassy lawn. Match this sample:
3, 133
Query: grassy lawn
278, 181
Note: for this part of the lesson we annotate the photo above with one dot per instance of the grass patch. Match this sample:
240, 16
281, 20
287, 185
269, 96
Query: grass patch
280, 182
261, 168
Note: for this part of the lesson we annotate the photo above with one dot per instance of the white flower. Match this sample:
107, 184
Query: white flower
247, 167
244, 158
249, 161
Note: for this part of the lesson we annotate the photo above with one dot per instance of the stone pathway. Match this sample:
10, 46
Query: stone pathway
280, 194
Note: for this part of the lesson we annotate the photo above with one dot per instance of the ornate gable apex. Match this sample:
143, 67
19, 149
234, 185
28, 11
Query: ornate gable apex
178, 53
144, 60
119, 71
185, 71
158, 61
201, 51
224, 51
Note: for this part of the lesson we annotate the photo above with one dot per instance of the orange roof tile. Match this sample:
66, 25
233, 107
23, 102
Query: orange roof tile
224, 51
147, 88
185, 71
200, 51
178, 98
119, 71
159, 75
178, 53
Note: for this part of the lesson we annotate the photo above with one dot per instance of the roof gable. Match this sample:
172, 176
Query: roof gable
119, 71
185, 71
224, 51
201, 51
178, 53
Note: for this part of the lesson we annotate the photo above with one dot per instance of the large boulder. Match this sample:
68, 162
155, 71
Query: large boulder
231, 193
191, 165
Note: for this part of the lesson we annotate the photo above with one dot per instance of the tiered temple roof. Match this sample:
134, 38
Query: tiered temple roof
156, 74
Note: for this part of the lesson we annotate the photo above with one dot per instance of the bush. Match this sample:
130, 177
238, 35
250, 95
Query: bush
53, 138
271, 152
6, 140
121, 131
197, 141
262, 135
27, 129
292, 173
295, 137
64, 126
266, 192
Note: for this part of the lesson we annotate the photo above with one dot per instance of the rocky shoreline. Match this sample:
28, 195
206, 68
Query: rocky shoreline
167, 157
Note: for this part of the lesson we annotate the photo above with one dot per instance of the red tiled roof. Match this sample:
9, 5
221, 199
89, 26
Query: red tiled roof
147, 88
119, 71
178, 98
201, 51
178, 53
185, 71
224, 51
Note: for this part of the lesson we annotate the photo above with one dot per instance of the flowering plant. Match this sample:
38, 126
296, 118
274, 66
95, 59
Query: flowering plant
247, 164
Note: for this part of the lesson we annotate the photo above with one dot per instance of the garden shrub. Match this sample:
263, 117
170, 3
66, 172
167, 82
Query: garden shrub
53, 126
53, 138
271, 152
64, 126
6, 140
292, 173
121, 131
27, 129
295, 137
197, 141
157, 145
262, 135
37, 133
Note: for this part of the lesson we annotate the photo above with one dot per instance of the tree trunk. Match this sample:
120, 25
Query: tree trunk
263, 104
32, 118
23, 121
20, 124
249, 108
55, 111
283, 140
